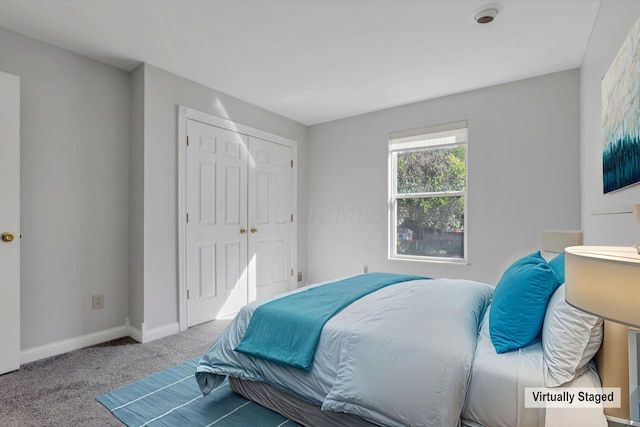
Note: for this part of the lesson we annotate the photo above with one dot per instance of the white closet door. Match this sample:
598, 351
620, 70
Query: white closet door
9, 222
271, 227
216, 237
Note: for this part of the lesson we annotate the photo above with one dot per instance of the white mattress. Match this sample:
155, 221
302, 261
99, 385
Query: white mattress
495, 396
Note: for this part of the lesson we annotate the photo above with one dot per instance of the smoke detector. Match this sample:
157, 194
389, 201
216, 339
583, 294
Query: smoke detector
486, 16
487, 13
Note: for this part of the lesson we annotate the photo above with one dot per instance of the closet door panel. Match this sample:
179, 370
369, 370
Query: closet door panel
216, 201
270, 218
206, 190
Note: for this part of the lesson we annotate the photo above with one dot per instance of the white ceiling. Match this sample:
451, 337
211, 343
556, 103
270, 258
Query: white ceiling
318, 60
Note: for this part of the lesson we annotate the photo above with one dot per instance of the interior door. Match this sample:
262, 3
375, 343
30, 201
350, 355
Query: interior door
270, 218
216, 231
9, 222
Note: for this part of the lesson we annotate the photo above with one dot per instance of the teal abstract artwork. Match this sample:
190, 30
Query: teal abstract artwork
621, 116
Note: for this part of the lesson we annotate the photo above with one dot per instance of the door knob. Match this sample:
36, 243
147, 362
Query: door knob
243, 231
254, 230
7, 237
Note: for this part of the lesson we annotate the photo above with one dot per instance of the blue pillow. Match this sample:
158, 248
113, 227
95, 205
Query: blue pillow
520, 302
557, 265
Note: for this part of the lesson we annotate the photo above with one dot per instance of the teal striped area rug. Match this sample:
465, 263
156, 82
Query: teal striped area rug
172, 398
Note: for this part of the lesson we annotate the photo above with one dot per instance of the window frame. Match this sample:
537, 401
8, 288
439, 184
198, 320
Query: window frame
394, 196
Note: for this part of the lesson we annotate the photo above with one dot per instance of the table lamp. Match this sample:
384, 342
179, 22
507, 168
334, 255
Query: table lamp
605, 281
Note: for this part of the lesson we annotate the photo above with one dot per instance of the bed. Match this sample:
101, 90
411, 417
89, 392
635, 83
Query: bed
420, 353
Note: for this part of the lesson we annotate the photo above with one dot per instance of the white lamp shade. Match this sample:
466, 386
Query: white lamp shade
605, 281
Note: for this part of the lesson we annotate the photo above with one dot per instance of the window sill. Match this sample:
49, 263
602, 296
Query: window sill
434, 260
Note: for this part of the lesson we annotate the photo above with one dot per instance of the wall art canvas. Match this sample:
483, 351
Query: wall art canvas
621, 116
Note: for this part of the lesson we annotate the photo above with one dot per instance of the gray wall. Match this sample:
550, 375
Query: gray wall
99, 197
163, 93
136, 200
74, 190
523, 174
99, 188
614, 22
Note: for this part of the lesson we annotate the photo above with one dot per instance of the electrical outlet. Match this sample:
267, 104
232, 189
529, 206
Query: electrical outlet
98, 301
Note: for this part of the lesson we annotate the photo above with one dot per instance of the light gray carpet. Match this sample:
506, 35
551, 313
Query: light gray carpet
61, 390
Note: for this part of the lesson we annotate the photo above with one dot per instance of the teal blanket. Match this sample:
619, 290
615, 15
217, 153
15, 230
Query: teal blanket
287, 330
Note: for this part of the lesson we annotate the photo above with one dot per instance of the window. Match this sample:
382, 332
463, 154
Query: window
428, 190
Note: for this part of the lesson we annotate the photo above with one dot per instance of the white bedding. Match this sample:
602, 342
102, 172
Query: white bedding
399, 356
495, 397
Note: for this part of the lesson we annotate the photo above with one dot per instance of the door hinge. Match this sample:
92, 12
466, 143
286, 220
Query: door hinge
188, 294
291, 162
187, 218
292, 272
187, 140
291, 217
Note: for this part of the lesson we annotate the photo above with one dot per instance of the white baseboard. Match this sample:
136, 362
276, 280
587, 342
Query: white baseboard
160, 332
143, 335
59, 347
134, 332
71, 344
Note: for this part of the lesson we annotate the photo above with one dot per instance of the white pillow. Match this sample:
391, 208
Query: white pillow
570, 339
